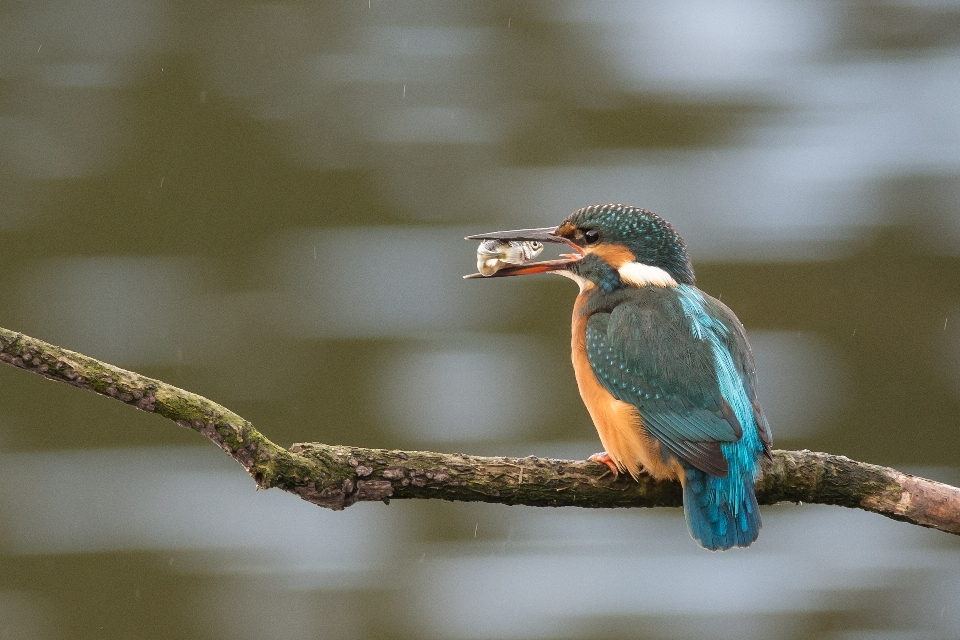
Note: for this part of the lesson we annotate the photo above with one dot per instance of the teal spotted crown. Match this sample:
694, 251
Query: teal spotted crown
649, 237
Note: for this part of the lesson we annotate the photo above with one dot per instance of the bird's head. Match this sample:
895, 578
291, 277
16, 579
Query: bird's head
616, 245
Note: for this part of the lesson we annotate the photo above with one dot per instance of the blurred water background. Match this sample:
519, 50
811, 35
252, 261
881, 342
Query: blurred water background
264, 203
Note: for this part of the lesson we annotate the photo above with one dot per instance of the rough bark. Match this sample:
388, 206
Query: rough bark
339, 476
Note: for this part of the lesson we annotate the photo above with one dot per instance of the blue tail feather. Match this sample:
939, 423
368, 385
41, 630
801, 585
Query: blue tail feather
721, 512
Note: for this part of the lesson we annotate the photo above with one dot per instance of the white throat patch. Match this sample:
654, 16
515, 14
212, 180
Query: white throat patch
583, 283
643, 274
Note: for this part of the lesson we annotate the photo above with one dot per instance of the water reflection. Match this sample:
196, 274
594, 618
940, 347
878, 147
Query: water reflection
383, 281
123, 310
265, 203
471, 390
703, 48
804, 382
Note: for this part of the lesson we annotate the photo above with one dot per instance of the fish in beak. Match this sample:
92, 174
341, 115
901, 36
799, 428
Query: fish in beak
493, 255
498, 254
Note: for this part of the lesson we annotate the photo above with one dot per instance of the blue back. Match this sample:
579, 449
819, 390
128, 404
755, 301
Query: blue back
683, 360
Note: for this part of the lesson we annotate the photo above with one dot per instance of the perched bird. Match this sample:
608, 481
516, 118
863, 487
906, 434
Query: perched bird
664, 369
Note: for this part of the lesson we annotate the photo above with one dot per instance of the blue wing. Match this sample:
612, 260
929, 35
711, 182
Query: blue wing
657, 349
683, 360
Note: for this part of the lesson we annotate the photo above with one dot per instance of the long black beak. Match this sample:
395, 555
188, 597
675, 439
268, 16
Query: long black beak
545, 235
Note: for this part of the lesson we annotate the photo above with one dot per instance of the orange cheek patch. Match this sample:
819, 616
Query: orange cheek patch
614, 255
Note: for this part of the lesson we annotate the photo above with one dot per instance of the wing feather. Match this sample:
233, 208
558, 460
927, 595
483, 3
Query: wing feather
646, 351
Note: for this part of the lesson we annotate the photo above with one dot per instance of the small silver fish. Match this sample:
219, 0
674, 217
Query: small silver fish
493, 255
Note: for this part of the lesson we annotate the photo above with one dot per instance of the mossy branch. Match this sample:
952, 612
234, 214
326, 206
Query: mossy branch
337, 476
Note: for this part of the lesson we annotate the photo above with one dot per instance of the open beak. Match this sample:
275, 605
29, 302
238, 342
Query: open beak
544, 235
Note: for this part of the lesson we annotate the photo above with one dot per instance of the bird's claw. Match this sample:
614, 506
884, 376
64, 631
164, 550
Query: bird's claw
604, 458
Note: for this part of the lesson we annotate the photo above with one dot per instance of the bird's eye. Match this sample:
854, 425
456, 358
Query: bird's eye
591, 236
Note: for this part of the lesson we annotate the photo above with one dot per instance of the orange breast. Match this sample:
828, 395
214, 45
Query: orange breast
618, 423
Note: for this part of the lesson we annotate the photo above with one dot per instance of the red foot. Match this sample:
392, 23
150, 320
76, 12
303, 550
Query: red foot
604, 458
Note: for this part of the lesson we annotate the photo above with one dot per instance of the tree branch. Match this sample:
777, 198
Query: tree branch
336, 476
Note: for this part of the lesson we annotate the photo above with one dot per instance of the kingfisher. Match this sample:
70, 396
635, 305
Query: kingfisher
664, 370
